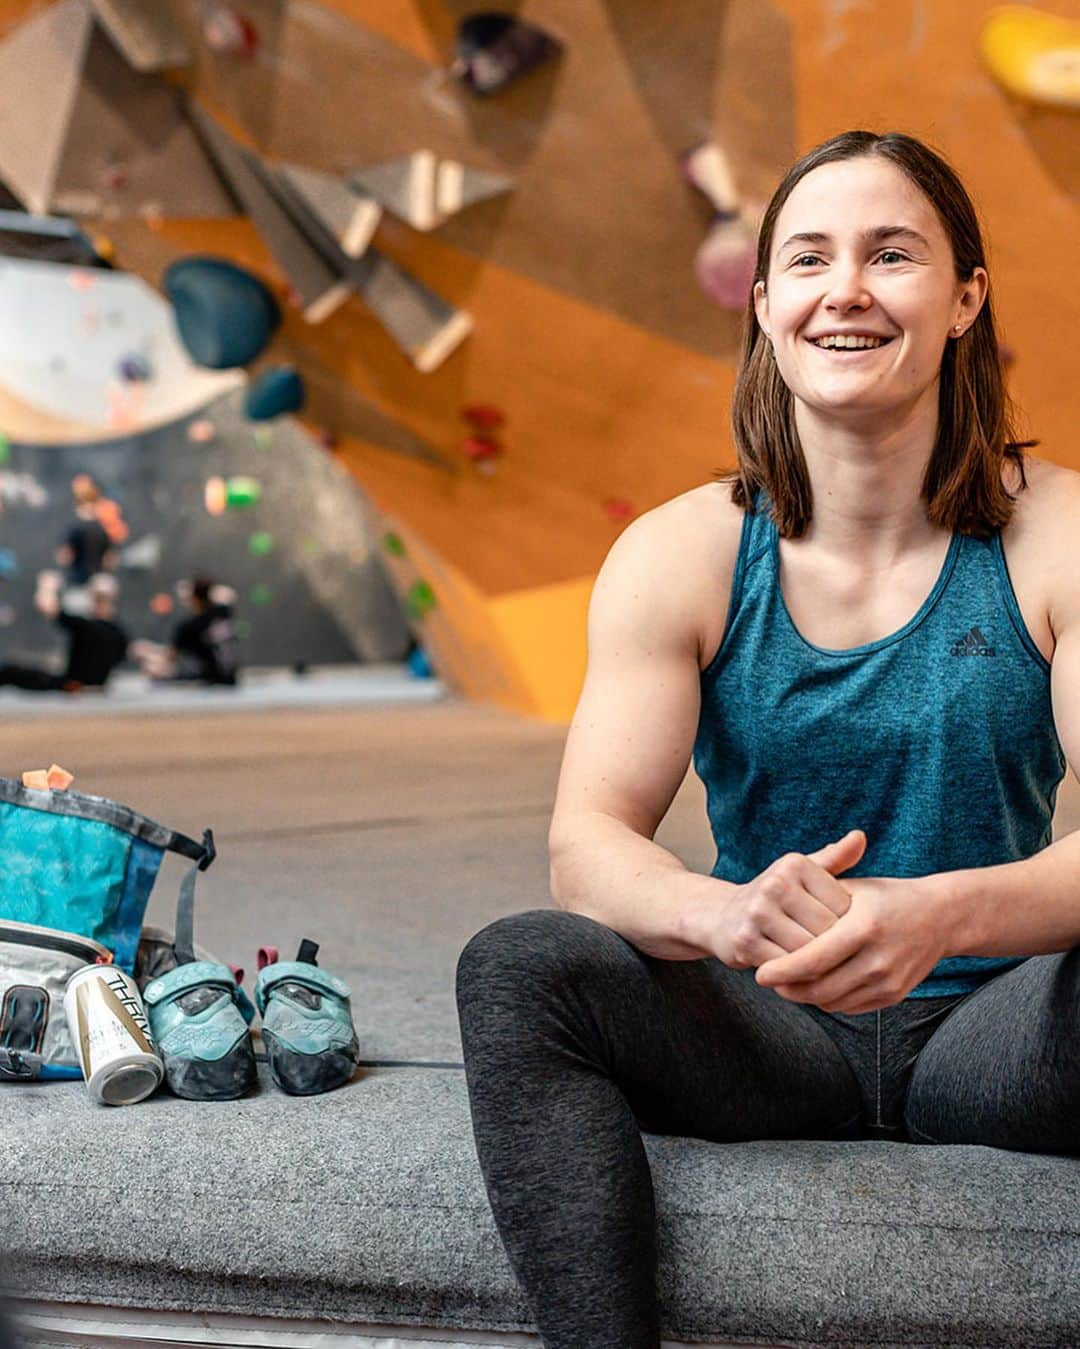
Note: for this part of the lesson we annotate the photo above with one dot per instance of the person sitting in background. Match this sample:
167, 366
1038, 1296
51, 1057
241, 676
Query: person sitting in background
96, 644
203, 647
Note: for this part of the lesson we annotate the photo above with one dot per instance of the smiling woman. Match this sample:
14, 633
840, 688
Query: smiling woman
872, 237
880, 760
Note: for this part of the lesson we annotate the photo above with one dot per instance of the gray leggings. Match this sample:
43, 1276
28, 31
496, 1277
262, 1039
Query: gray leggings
575, 1041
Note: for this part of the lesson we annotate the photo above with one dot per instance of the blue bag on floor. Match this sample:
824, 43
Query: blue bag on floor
86, 865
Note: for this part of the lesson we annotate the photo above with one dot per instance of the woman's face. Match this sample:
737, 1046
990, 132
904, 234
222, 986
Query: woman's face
898, 284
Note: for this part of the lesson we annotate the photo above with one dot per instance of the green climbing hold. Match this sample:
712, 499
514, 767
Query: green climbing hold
261, 543
242, 492
393, 544
5, 448
261, 594
419, 600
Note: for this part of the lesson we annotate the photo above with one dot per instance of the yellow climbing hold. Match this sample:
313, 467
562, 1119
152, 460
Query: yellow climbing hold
1034, 55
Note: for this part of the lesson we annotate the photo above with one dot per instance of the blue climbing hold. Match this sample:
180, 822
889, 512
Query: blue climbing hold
277, 390
225, 315
419, 664
135, 369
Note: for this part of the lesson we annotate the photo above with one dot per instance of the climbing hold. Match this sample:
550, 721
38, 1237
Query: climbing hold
145, 555
393, 545
493, 50
113, 177
215, 496
162, 604
134, 369
9, 564
481, 447
1033, 55
483, 416
230, 33
276, 391
202, 431
418, 663
617, 508
706, 166
261, 543
420, 599
5, 448
424, 190
225, 315
724, 264
261, 594
326, 438
81, 280
242, 491
104, 247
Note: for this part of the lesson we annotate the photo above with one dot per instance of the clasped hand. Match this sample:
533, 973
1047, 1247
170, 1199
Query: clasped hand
888, 941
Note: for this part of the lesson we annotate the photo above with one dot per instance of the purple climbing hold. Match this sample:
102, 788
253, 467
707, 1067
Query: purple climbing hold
135, 369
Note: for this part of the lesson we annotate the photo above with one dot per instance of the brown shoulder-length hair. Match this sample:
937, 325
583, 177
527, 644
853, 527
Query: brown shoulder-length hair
962, 486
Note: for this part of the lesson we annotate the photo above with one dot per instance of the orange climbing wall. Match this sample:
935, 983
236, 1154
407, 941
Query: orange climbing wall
613, 370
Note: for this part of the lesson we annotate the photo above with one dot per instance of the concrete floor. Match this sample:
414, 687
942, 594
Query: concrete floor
387, 833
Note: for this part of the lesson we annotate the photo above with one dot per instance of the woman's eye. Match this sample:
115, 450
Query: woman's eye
886, 252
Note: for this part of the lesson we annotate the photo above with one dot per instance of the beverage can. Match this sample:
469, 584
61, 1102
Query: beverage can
112, 1035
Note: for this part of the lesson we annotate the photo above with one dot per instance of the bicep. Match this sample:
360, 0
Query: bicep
631, 738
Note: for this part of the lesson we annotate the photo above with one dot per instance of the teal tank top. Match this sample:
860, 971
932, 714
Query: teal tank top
938, 741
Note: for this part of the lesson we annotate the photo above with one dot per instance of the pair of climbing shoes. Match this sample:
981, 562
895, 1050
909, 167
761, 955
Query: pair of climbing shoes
199, 1016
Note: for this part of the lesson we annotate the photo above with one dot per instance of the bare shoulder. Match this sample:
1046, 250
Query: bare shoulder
1045, 480
701, 530
1047, 518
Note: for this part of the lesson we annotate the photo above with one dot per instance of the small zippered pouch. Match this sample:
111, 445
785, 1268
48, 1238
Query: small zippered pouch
35, 965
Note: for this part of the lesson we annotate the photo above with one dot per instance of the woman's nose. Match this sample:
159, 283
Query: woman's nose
847, 287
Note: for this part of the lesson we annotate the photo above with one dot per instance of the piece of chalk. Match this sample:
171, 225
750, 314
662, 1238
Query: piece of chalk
59, 779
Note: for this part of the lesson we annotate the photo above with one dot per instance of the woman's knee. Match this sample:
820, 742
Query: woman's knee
545, 944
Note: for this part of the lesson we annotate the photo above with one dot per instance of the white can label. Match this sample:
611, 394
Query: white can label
110, 1022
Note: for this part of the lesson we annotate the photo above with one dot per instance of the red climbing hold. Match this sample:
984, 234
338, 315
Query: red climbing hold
483, 416
616, 508
481, 447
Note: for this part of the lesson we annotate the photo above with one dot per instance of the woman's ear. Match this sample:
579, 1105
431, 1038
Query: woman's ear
761, 306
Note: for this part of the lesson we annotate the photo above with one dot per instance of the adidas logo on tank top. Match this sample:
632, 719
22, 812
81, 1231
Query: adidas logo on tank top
973, 643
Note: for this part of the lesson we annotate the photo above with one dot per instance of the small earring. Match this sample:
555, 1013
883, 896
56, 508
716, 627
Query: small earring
958, 327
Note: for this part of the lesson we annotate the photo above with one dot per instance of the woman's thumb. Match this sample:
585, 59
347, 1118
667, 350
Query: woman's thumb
845, 852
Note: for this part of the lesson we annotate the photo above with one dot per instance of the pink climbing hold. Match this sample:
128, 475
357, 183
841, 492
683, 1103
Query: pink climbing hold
725, 262
215, 496
230, 33
202, 431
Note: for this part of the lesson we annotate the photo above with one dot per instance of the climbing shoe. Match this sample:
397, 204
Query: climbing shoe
196, 1019
307, 1026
